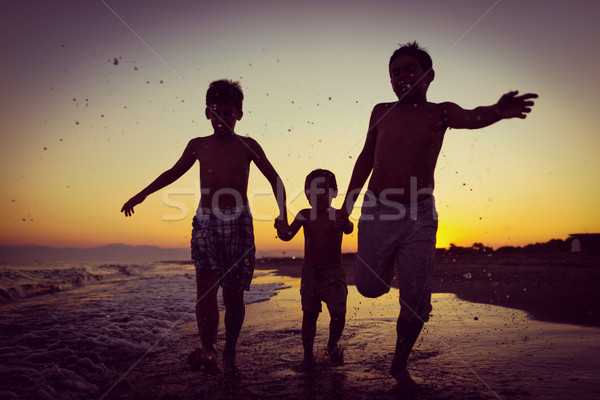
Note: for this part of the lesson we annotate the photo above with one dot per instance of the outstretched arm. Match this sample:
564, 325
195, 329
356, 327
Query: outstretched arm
182, 165
360, 173
264, 166
509, 106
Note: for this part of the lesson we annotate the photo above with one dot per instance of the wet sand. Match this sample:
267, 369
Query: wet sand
553, 287
467, 350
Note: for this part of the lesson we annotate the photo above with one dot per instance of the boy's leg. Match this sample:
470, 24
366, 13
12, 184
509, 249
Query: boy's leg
235, 311
408, 332
207, 316
416, 263
377, 243
309, 331
336, 327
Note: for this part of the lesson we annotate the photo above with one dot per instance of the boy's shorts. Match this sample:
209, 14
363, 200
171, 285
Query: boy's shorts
323, 283
403, 234
223, 241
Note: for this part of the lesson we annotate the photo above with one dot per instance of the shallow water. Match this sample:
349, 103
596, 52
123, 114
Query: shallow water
63, 344
498, 351
76, 343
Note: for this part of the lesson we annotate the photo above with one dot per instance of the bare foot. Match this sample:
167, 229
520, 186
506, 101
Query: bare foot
200, 359
336, 355
305, 365
230, 368
403, 379
211, 362
196, 359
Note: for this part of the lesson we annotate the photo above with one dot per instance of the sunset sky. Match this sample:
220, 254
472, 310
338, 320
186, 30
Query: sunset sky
100, 97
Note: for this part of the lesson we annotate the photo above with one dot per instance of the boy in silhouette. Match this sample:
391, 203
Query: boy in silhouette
322, 272
222, 237
398, 223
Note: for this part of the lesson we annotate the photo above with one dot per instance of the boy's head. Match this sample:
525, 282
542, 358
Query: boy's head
411, 69
413, 49
320, 188
224, 105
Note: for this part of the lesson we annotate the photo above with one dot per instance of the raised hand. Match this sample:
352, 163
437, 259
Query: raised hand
128, 206
512, 106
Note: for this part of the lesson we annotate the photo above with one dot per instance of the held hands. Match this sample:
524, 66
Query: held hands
342, 221
134, 201
283, 228
512, 106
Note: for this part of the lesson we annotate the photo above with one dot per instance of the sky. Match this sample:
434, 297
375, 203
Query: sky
100, 97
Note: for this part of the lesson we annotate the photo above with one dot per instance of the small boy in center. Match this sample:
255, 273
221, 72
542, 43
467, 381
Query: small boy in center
323, 278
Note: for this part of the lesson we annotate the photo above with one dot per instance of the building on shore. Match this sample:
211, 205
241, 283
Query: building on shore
584, 242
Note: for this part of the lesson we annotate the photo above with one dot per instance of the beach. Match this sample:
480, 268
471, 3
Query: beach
485, 339
469, 349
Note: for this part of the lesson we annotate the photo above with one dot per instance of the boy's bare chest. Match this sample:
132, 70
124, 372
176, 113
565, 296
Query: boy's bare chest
222, 155
320, 227
410, 129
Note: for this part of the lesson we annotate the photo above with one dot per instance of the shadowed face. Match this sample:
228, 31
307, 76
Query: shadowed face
223, 117
320, 193
408, 79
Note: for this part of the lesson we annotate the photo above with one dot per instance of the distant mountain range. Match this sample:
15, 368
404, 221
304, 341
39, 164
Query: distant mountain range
108, 253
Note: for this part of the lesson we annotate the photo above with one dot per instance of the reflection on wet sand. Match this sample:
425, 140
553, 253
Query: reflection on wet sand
467, 351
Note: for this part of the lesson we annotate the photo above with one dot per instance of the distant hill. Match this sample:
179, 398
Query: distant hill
108, 253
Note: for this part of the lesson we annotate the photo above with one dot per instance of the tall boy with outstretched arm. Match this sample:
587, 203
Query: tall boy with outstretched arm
222, 237
398, 223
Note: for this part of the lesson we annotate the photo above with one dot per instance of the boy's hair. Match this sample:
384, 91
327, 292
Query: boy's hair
414, 50
321, 173
223, 91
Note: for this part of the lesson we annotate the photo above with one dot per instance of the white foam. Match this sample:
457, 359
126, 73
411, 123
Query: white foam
66, 345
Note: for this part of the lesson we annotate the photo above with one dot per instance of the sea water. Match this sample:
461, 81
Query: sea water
65, 329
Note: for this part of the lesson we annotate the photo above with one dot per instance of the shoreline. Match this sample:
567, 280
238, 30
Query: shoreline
499, 354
